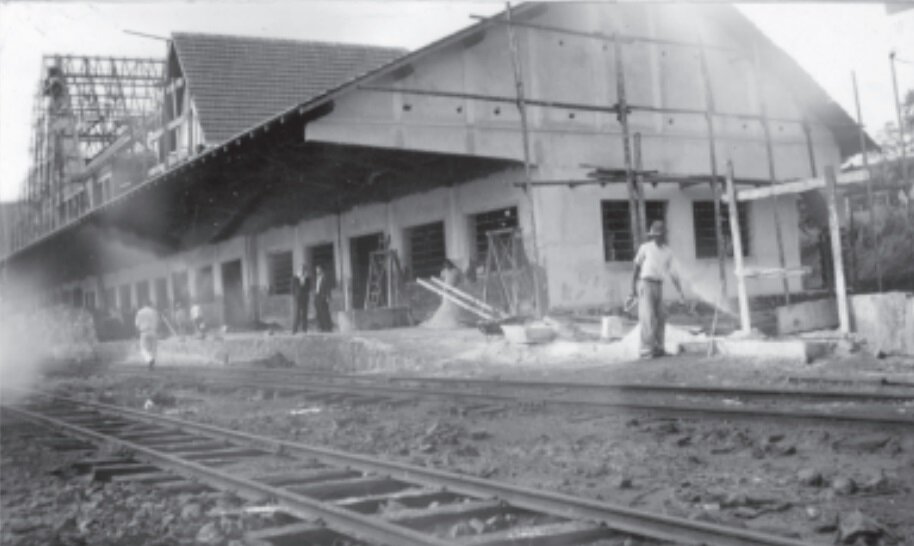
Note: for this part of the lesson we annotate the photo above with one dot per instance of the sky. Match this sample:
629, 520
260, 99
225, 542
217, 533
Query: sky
829, 40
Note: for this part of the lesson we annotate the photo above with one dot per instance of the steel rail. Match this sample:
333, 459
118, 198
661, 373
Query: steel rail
672, 409
352, 523
738, 391
620, 518
676, 409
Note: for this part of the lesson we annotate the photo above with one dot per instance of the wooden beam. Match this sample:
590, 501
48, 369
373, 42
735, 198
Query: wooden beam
622, 103
525, 133
800, 186
744, 320
837, 256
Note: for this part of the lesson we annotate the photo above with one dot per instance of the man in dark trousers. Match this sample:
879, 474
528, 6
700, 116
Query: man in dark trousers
301, 295
322, 300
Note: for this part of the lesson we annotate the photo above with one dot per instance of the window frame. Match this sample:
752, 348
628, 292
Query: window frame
285, 288
743, 217
651, 214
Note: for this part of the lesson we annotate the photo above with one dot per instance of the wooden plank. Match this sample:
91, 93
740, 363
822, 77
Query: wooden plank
744, 320
271, 535
834, 229
550, 534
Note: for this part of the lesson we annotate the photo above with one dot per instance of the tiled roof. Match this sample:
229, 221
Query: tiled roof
238, 82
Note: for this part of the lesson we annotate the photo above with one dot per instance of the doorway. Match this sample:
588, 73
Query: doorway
233, 293
360, 249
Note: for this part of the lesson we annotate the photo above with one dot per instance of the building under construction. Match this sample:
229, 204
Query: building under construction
212, 174
85, 110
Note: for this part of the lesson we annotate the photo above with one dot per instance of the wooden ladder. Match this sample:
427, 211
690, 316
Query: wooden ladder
384, 275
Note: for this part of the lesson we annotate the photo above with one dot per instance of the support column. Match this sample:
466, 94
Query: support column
831, 194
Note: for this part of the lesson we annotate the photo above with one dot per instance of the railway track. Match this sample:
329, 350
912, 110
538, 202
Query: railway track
880, 406
331, 494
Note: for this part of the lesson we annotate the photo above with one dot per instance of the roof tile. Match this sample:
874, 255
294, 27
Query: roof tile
238, 82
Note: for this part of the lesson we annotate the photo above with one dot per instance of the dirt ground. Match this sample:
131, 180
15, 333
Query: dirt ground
823, 484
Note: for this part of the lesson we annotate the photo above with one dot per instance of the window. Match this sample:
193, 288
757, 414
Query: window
124, 298
492, 220
426, 249
142, 293
618, 239
206, 292
706, 237
322, 255
280, 264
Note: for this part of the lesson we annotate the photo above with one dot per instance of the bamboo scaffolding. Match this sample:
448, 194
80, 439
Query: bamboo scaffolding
622, 103
584, 107
874, 235
522, 109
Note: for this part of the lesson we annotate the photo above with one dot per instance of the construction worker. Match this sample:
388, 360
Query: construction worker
653, 262
147, 325
301, 296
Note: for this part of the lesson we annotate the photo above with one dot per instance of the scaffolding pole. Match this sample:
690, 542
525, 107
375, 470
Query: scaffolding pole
901, 125
834, 230
712, 153
772, 173
874, 235
622, 105
639, 183
522, 109
742, 295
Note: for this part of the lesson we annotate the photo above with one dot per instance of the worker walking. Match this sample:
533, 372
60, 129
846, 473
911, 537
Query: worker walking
322, 300
147, 325
301, 296
653, 262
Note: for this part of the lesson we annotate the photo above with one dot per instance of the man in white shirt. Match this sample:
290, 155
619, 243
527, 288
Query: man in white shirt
147, 324
653, 262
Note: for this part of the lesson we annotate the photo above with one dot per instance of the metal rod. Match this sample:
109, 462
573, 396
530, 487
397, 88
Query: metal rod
712, 153
901, 123
874, 236
522, 109
742, 296
772, 174
834, 230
